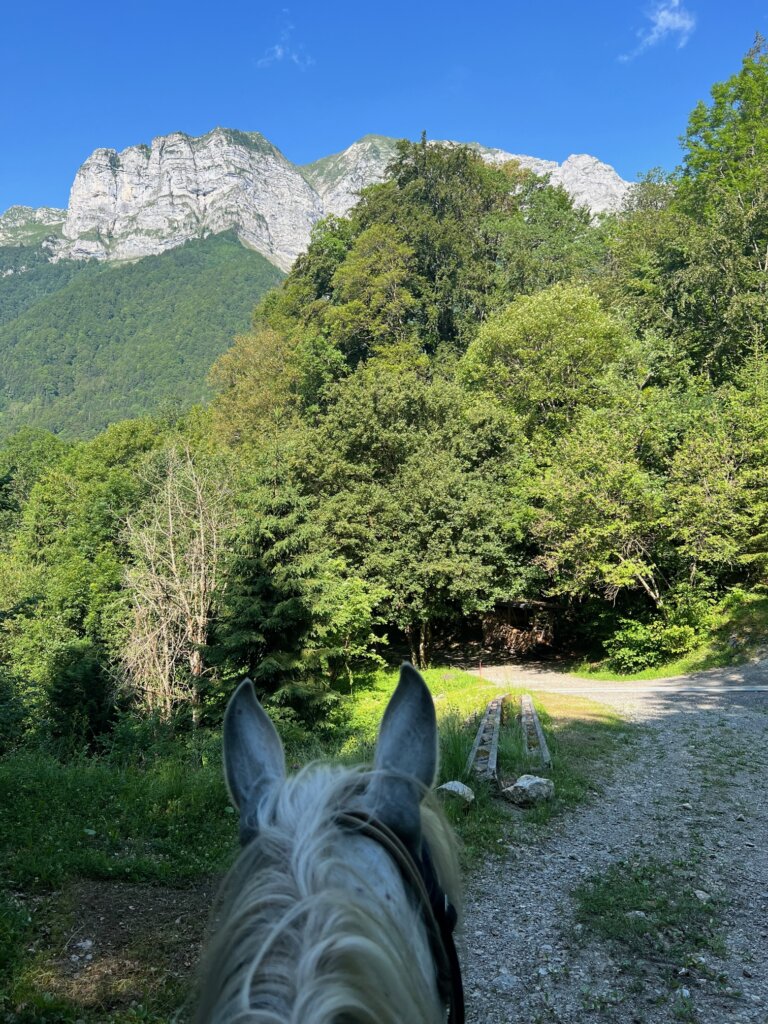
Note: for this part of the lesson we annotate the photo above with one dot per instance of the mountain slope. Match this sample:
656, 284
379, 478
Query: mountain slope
114, 341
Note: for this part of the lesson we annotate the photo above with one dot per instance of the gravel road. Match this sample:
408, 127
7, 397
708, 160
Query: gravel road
694, 781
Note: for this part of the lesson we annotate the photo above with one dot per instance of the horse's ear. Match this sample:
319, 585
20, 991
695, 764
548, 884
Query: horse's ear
406, 756
254, 760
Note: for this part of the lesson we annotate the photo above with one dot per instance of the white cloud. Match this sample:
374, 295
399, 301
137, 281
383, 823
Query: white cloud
285, 50
667, 19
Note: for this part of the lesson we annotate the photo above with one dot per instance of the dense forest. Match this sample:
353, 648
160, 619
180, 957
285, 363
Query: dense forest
465, 395
83, 344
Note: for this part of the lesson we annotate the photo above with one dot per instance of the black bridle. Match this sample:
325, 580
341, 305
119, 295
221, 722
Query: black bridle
438, 912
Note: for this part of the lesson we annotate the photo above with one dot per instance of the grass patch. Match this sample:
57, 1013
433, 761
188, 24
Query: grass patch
583, 737
738, 631
169, 821
651, 907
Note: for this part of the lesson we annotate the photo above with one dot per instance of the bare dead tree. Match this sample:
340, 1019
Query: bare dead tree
176, 543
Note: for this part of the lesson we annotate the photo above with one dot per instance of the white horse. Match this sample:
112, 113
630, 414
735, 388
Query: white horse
336, 911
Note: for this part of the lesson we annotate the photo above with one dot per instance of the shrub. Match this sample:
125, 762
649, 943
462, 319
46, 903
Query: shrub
639, 645
12, 715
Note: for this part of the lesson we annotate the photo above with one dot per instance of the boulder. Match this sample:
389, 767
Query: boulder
529, 790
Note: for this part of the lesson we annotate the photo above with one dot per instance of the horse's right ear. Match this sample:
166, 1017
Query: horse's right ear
254, 760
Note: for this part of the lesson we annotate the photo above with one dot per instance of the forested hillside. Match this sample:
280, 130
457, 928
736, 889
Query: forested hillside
83, 344
465, 395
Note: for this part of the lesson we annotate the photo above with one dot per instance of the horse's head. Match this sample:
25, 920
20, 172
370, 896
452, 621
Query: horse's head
405, 763
334, 911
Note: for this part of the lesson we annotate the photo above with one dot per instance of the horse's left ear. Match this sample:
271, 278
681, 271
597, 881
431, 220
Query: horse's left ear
406, 757
254, 760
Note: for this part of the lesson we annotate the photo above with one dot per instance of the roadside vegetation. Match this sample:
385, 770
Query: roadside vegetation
143, 830
735, 631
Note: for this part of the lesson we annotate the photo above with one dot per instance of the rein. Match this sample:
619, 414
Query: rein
438, 913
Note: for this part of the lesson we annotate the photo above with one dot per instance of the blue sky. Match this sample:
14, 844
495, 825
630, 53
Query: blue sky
615, 79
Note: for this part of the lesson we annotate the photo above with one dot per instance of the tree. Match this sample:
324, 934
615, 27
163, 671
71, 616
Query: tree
175, 541
546, 354
422, 492
726, 142
601, 523
696, 267
718, 484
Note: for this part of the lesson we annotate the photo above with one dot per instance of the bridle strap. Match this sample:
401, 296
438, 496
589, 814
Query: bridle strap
439, 915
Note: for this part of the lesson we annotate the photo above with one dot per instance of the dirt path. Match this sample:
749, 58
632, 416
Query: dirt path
694, 789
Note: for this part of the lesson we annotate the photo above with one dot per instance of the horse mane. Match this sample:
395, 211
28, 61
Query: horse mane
303, 937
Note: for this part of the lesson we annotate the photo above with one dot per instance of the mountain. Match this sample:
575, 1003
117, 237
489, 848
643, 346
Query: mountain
147, 199
26, 225
338, 179
118, 305
85, 343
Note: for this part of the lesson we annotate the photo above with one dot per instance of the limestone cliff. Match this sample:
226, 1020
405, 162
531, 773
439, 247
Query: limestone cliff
147, 199
150, 198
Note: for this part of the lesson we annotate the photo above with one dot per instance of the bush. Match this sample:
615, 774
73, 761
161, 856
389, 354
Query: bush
639, 645
12, 715
79, 694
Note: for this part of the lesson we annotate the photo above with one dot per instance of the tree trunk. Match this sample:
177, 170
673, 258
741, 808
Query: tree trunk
425, 644
197, 668
412, 634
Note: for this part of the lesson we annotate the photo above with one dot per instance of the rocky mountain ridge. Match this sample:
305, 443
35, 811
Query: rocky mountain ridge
27, 225
148, 199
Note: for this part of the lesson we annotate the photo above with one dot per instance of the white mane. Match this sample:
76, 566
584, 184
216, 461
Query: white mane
314, 924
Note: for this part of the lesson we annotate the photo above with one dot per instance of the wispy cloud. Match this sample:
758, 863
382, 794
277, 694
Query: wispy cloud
285, 49
667, 19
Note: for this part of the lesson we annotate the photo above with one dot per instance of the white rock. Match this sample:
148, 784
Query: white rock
457, 789
21, 225
147, 199
530, 789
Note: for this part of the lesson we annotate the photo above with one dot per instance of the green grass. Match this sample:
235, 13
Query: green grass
169, 821
650, 907
739, 628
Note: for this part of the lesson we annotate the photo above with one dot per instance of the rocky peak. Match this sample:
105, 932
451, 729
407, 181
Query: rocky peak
27, 225
591, 183
146, 199
338, 179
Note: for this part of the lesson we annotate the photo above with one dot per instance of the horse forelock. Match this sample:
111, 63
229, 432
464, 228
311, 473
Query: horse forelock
314, 925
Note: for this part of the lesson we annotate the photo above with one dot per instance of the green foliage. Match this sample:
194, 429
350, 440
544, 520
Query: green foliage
690, 256
726, 143
637, 645
601, 521
547, 354
82, 349
79, 693
421, 489
426, 256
